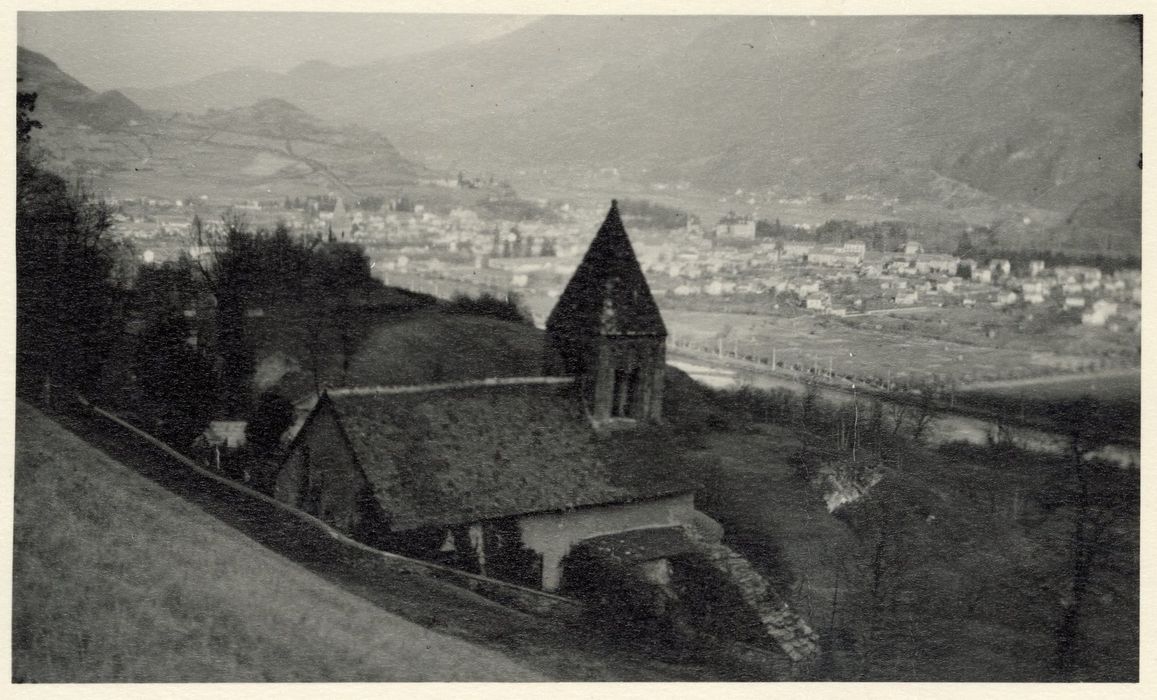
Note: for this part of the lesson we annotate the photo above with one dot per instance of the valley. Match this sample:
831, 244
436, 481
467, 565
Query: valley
762, 347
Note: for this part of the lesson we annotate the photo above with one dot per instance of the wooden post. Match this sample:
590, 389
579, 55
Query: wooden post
855, 423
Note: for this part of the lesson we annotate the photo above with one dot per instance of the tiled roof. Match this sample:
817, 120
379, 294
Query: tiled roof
459, 454
608, 292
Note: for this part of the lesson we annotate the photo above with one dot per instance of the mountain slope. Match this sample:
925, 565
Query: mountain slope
1043, 110
116, 579
63, 97
269, 146
1022, 109
507, 75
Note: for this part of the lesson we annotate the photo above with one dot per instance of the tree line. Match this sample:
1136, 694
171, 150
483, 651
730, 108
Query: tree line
244, 272
176, 331
67, 295
1019, 259
883, 236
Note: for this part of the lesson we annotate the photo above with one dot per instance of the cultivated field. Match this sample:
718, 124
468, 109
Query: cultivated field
815, 342
1107, 404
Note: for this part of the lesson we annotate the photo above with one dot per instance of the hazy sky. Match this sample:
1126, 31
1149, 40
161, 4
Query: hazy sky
143, 49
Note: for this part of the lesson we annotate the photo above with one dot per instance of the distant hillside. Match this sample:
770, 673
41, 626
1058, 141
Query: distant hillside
118, 580
64, 98
263, 147
269, 117
1039, 110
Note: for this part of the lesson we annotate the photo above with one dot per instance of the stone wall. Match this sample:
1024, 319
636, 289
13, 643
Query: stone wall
553, 535
789, 632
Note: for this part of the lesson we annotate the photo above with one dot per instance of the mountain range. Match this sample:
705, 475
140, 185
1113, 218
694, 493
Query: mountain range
1036, 111
267, 149
67, 100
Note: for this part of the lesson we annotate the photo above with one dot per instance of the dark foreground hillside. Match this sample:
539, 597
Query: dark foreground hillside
130, 568
117, 579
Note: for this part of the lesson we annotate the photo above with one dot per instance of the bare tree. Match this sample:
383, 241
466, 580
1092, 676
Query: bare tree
923, 418
1100, 500
874, 574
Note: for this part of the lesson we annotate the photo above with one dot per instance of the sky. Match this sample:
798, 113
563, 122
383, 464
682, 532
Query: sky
106, 50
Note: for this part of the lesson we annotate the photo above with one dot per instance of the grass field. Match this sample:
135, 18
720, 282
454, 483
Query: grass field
416, 350
116, 579
864, 351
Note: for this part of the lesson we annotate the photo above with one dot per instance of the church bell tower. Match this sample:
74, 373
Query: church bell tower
606, 329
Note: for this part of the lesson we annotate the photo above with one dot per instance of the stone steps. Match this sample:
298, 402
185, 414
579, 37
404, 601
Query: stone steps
789, 630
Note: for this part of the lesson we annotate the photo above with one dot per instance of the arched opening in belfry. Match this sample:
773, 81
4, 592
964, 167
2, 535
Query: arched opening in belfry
627, 392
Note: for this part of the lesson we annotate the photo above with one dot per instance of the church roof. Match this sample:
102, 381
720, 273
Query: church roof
455, 454
608, 294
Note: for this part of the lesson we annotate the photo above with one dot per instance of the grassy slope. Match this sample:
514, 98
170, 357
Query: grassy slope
975, 596
439, 347
116, 579
406, 348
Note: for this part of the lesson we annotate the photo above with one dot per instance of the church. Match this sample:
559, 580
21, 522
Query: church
533, 480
